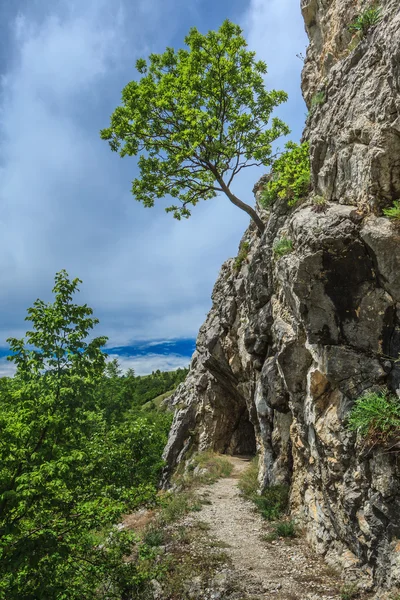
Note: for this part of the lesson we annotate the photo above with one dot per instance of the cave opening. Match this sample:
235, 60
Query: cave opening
242, 440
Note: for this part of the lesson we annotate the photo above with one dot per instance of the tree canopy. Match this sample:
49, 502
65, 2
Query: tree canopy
197, 117
74, 457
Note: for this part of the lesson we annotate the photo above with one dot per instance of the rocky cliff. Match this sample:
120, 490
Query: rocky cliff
291, 341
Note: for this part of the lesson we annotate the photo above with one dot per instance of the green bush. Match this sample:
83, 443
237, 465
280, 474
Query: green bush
394, 211
376, 416
283, 246
290, 176
366, 20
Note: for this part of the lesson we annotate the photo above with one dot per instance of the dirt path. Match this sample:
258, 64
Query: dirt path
282, 569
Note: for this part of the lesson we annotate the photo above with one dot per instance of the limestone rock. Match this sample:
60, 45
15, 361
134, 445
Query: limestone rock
290, 342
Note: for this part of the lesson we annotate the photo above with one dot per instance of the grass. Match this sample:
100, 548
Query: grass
248, 480
393, 212
176, 505
376, 417
273, 502
283, 246
282, 529
157, 403
204, 468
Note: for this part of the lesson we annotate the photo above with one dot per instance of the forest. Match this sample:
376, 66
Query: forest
77, 452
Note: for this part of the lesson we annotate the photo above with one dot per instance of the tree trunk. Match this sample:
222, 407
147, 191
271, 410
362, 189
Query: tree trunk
248, 209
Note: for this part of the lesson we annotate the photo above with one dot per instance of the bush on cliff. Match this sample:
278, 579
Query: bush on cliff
290, 176
376, 417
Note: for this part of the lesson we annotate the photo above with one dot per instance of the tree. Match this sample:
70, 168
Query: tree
66, 473
196, 118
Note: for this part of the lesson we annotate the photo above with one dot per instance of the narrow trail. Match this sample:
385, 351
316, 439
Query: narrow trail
282, 569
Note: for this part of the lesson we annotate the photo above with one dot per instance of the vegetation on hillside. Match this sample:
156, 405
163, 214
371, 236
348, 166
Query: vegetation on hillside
197, 118
76, 453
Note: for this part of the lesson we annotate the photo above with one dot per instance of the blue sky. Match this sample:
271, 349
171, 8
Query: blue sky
65, 199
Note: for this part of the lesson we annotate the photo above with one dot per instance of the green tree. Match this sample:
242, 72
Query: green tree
196, 118
66, 475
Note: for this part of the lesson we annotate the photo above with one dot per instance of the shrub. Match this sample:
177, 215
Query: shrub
394, 211
319, 204
286, 529
366, 20
376, 416
283, 246
290, 176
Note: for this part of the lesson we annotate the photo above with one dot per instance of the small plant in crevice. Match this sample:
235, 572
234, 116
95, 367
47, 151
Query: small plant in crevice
290, 176
376, 417
349, 591
319, 204
317, 100
241, 257
393, 212
283, 246
366, 20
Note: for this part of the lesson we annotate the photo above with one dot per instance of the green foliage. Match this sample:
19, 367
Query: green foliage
318, 200
241, 257
196, 118
394, 211
273, 502
127, 391
290, 176
285, 529
283, 246
366, 20
376, 417
69, 466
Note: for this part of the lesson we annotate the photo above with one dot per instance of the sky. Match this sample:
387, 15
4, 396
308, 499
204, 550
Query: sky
65, 200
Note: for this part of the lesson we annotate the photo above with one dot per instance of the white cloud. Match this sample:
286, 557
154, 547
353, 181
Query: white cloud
65, 200
7, 369
144, 365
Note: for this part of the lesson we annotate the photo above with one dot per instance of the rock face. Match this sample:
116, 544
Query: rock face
291, 341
